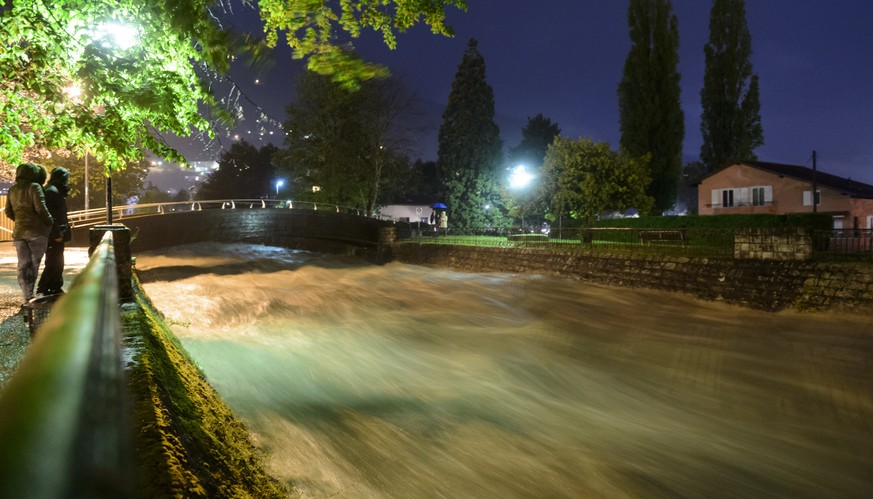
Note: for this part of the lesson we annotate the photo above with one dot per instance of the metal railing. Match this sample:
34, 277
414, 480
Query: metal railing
854, 244
843, 243
690, 241
64, 414
98, 216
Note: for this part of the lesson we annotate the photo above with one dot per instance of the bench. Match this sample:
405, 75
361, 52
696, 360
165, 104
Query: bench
662, 236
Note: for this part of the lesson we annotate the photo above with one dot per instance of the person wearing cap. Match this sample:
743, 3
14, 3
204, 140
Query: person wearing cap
25, 205
56, 190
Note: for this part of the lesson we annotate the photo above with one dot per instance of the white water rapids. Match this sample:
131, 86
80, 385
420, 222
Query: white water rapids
364, 381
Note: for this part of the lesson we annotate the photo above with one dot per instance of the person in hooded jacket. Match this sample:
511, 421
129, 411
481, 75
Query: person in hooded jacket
25, 205
56, 191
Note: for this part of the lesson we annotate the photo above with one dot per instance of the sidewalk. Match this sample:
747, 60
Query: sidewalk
14, 334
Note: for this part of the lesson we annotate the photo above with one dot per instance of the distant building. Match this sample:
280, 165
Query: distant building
757, 187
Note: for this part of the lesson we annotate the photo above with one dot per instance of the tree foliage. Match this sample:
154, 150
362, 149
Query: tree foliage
105, 77
134, 95
536, 136
348, 145
153, 194
649, 95
310, 29
731, 118
470, 156
244, 171
584, 179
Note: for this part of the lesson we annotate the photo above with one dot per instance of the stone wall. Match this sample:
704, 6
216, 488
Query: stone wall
767, 285
772, 244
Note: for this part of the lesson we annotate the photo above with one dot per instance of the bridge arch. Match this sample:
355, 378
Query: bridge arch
332, 230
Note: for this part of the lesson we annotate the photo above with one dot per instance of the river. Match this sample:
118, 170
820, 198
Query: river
365, 381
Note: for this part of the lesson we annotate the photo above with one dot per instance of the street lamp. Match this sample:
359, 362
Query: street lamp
114, 35
279, 183
519, 178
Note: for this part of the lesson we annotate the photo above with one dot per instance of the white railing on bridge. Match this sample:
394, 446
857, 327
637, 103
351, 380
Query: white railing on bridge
97, 216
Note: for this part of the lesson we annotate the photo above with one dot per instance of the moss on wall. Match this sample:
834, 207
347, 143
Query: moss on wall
762, 284
188, 443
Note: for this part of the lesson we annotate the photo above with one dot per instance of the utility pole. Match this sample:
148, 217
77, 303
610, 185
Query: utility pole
86, 180
814, 183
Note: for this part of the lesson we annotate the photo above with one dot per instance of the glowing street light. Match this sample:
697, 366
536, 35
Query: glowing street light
112, 36
279, 183
520, 177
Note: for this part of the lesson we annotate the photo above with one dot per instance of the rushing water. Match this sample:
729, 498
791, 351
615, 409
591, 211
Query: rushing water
404, 381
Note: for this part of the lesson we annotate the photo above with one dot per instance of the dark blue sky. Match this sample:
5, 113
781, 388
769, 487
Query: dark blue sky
564, 58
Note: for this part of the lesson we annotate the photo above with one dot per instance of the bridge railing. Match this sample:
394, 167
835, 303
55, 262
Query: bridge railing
64, 428
98, 216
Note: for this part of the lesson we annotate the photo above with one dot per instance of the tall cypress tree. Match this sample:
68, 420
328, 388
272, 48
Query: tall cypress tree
651, 116
731, 119
470, 150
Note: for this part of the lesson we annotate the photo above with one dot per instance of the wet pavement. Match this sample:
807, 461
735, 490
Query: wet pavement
14, 333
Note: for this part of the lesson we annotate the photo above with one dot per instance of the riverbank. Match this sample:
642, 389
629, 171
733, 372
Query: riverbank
189, 443
14, 332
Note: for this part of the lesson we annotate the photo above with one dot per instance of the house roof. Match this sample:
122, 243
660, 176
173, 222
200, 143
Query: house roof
851, 187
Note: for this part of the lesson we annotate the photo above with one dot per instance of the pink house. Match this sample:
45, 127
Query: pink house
757, 187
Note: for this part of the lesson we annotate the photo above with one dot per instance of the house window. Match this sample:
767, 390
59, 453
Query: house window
757, 196
727, 198
807, 198
762, 196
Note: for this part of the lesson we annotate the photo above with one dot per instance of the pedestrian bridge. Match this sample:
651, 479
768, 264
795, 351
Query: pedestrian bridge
304, 225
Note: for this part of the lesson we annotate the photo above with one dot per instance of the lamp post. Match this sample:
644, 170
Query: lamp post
279, 183
519, 178
86, 180
111, 35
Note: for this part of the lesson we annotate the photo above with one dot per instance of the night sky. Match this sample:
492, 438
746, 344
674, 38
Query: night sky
564, 58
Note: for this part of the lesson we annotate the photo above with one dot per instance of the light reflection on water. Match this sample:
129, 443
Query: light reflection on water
404, 381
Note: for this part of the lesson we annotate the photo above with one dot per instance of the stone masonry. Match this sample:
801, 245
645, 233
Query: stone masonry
761, 284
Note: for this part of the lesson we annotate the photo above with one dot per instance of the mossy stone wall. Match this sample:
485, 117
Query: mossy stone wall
767, 285
188, 442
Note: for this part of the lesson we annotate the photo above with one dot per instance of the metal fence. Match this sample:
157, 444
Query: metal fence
64, 415
843, 243
698, 242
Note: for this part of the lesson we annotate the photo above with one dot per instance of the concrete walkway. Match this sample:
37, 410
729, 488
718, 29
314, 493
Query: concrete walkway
14, 334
